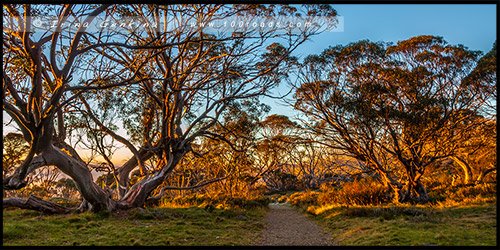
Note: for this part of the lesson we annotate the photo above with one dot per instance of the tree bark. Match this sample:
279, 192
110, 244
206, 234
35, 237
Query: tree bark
415, 189
420, 192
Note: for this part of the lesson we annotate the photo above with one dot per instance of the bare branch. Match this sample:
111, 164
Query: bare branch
201, 184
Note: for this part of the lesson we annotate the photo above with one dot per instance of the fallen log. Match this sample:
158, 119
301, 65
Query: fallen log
36, 203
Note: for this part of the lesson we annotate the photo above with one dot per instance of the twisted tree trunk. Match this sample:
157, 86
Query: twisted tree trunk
394, 188
95, 198
139, 192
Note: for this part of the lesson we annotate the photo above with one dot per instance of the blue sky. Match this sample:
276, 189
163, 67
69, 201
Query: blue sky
468, 24
473, 25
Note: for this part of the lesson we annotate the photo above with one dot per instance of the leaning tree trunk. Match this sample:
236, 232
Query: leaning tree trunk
468, 177
97, 198
68, 161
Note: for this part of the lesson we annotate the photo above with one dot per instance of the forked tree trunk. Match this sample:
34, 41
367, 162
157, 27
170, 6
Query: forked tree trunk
139, 192
414, 190
417, 192
124, 172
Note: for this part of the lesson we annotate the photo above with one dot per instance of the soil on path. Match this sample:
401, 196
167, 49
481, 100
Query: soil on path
286, 227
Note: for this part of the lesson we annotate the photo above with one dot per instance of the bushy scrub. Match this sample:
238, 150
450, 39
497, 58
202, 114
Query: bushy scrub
368, 192
363, 192
463, 194
214, 202
485, 189
357, 192
304, 199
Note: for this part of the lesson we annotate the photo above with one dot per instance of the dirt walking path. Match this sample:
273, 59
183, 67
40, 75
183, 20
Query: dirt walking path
286, 227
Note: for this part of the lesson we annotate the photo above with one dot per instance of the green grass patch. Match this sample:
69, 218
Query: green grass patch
410, 225
150, 227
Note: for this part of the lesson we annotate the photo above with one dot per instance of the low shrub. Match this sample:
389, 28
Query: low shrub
304, 199
282, 199
362, 192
